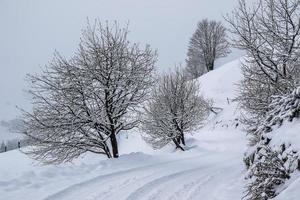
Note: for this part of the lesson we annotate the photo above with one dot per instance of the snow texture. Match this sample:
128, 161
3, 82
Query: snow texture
211, 168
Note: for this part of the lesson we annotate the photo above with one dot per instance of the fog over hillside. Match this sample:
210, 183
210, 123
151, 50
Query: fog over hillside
149, 99
31, 30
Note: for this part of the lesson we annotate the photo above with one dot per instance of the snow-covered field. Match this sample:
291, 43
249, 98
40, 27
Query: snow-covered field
211, 168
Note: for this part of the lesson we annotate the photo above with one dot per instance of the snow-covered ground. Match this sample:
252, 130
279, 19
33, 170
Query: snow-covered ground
288, 134
211, 168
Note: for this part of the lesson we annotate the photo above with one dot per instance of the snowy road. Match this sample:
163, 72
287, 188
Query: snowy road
214, 176
212, 168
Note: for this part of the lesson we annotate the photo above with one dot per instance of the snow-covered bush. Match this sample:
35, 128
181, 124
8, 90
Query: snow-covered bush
271, 169
271, 163
281, 108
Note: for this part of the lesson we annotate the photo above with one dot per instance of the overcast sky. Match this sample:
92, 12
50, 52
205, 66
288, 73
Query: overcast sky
32, 29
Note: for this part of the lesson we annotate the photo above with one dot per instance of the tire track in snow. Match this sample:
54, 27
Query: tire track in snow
185, 176
84, 187
176, 186
155, 189
183, 184
226, 179
176, 179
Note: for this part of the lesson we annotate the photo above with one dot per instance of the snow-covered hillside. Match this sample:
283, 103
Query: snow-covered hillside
212, 167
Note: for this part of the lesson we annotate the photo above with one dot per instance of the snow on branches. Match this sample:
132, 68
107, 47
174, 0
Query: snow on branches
175, 109
271, 163
208, 43
81, 104
269, 32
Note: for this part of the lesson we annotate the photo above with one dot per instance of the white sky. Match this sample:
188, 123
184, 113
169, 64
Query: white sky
32, 29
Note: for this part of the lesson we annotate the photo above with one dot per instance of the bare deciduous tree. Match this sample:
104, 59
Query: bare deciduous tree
81, 104
270, 34
207, 44
174, 109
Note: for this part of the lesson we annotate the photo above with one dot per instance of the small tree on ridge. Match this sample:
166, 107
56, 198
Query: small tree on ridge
208, 43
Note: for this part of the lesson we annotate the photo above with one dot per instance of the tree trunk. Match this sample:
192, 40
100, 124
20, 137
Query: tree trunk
211, 66
114, 145
178, 145
107, 152
178, 140
182, 138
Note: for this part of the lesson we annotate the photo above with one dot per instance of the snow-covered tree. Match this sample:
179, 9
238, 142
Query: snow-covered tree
282, 108
175, 108
208, 43
269, 171
81, 104
269, 164
269, 32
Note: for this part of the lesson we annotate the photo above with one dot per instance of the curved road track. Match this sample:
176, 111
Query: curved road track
213, 176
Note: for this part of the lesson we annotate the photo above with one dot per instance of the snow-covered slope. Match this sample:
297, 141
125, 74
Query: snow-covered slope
288, 134
210, 169
220, 84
